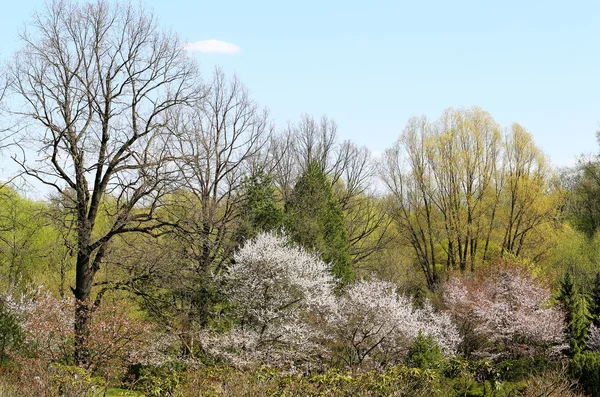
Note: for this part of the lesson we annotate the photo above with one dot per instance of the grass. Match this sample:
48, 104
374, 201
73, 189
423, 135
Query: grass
114, 392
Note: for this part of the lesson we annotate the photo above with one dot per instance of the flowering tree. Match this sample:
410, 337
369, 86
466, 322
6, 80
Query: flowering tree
593, 342
47, 325
286, 310
281, 296
510, 309
375, 321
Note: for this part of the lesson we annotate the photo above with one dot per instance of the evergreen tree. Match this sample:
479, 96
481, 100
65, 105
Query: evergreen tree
258, 207
315, 220
425, 353
595, 301
567, 290
577, 319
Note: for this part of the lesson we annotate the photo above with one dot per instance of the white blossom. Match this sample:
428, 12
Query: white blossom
282, 296
287, 311
375, 321
593, 342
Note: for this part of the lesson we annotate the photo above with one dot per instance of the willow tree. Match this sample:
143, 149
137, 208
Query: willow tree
462, 188
93, 86
530, 203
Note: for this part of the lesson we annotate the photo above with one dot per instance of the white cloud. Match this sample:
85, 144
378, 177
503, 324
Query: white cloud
213, 47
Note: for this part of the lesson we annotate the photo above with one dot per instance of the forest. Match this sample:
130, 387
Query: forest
188, 246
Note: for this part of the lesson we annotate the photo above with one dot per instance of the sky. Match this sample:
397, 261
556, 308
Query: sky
371, 66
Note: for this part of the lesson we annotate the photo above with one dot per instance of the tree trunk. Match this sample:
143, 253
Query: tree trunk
83, 311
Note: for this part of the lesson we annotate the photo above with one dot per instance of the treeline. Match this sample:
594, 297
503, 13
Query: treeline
184, 227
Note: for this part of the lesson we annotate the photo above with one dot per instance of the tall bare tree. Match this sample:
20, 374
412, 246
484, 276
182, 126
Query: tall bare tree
93, 86
410, 180
219, 143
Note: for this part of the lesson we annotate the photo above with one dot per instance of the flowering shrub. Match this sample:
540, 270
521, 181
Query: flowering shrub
510, 309
47, 324
593, 342
375, 321
286, 311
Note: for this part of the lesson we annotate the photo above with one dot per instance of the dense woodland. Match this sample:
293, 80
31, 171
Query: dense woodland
188, 246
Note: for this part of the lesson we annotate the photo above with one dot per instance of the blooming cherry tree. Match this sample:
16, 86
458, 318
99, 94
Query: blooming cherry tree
376, 322
287, 310
510, 309
281, 297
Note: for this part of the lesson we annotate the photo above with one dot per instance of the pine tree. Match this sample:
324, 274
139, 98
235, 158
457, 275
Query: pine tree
315, 220
577, 319
258, 209
595, 301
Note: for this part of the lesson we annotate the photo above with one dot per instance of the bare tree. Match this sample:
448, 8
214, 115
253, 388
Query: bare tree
219, 142
93, 86
409, 178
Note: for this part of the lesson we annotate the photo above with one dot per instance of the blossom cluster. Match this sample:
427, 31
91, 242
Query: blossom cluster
287, 309
374, 320
115, 338
510, 309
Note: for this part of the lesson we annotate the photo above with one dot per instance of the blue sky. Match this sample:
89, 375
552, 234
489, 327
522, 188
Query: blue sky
372, 65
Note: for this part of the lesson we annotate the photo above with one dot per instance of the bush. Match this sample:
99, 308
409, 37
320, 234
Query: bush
552, 383
586, 367
285, 311
425, 354
11, 334
508, 311
165, 380
35, 378
395, 381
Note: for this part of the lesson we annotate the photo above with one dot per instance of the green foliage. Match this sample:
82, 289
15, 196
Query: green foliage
11, 334
425, 354
586, 367
577, 319
26, 239
583, 196
165, 380
259, 211
595, 301
395, 381
520, 369
315, 220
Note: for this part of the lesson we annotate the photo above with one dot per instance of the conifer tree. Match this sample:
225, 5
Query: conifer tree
577, 319
258, 209
315, 220
595, 301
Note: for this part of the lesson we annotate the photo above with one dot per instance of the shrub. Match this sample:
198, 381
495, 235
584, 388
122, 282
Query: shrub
425, 354
395, 381
11, 334
586, 367
377, 323
285, 311
280, 296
